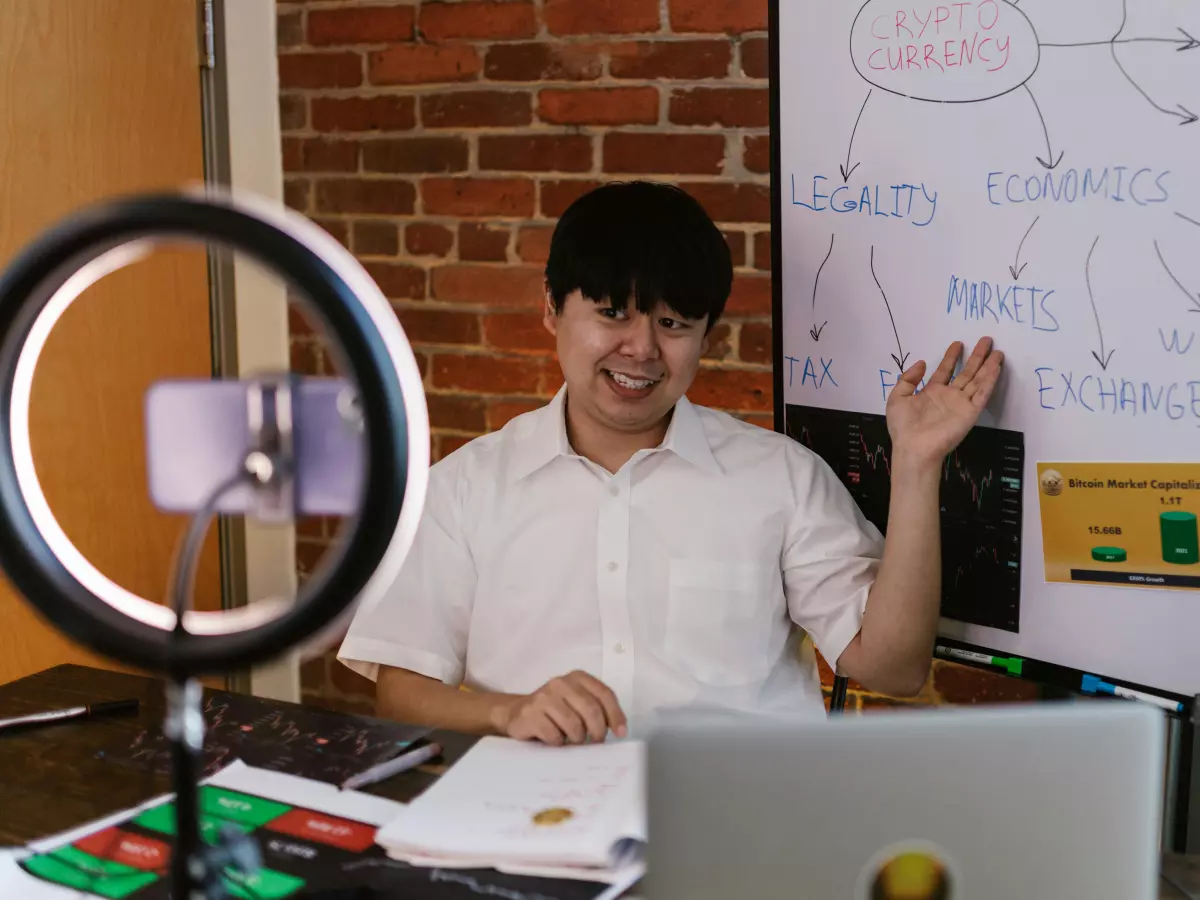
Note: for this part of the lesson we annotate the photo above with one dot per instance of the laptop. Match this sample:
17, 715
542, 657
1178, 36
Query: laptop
1046, 801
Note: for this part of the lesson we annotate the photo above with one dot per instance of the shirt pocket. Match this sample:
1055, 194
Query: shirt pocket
718, 624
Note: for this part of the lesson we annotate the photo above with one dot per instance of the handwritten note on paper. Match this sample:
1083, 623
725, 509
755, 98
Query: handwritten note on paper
514, 802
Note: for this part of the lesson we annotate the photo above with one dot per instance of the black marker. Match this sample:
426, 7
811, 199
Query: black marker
108, 708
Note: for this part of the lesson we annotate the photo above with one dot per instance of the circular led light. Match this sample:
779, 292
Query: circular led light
35, 552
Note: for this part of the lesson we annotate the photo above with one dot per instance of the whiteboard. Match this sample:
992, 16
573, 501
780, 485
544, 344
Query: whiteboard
948, 171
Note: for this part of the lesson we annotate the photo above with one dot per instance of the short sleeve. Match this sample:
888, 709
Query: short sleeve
831, 557
421, 623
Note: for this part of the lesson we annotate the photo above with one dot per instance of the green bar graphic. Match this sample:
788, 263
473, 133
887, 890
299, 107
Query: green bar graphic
1180, 538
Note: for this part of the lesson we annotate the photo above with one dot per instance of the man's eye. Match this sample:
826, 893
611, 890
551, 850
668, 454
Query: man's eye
612, 312
671, 323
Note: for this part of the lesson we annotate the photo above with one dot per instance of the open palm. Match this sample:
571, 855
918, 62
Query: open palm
931, 422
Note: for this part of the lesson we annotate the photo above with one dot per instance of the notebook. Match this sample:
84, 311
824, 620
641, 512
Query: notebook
527, 808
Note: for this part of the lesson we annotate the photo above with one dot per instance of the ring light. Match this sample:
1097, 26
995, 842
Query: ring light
35, 552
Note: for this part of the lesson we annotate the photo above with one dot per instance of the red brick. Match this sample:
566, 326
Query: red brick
754, 344
289, 29
320, 70
297, 194
376, 238
536, 153
383, 113
314, 674
756, 58
501, 412
476, 109
426, 325
533, 243
500, 287
448, 443
601, 16
751, 296
293, 112
397, 280
428, 239
692, 60
478, 20
966, 685
417, 154
718, 342
485, 374
478, 197
733, 202
300, 321
378, 196
756, 153
729, 107
455, 412
732, 389
478, 242
762, 251
691, 154
737, 247
718, 16
517, 332
558, 195
368, 25
338, 229
309, 555
878, 703
552, 377
542, 61
599, 106
306, 357
319, 155
423, 64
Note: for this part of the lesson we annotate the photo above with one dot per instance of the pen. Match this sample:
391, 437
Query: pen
74, 712
402, 763
1012, 663
1093, 685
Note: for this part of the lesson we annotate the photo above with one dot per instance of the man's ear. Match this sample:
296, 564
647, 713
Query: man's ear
549, 316
705, 343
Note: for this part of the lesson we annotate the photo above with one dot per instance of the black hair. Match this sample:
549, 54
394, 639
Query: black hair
652, 241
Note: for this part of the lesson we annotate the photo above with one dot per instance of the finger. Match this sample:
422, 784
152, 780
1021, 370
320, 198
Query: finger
608, 701
535, 726
985, 382
590, 710
569, 722
945, 369
909, 381
978, 357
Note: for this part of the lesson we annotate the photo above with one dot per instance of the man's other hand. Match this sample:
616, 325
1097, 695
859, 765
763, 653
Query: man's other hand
570, 709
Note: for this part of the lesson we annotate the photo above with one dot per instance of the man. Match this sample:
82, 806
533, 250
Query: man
622, 552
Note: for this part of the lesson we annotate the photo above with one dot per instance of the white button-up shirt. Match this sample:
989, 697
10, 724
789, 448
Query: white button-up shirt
684, 580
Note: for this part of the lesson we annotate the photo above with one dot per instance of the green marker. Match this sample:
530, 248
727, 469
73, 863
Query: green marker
1011, 664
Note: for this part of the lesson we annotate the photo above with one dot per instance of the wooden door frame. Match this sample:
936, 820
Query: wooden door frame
243, 149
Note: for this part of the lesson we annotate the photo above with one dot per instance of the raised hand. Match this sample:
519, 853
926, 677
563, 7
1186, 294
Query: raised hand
926, 425
571, 709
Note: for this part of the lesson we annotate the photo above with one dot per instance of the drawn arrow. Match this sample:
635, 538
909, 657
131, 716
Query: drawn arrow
1186, 219
1187, 42
1194, 300
1101, 357
815, 331
1185, 115
899, 357
1049, 150
847, 169
1017, 267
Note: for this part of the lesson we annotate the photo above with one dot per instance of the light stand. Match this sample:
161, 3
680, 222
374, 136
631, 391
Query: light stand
277, 473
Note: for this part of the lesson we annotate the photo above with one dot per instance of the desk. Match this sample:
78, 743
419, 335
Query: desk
52, 780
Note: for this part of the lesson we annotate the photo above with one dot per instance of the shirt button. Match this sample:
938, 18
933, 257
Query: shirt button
614, 490
620, 648
612, 567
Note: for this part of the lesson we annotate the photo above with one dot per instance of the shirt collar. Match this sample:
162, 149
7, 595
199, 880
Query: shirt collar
548, 439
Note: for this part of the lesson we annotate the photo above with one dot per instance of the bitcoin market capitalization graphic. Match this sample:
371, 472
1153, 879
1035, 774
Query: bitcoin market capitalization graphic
1126, 524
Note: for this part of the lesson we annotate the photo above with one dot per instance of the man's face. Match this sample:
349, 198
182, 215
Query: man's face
623, 368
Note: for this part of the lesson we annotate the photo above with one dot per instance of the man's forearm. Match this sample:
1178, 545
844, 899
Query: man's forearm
900, 625
416, 700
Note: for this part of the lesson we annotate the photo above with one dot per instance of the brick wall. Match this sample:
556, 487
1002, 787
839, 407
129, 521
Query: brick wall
439, 141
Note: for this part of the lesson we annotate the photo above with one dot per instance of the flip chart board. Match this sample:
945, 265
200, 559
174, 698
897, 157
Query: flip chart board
1029, 172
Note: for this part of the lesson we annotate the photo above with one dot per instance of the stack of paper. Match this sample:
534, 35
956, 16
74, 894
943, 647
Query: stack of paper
530, 809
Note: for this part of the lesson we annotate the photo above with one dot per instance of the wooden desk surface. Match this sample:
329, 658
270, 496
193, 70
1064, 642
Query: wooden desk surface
51, 778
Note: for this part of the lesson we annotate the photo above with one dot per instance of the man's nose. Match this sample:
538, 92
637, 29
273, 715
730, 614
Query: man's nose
641, 338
